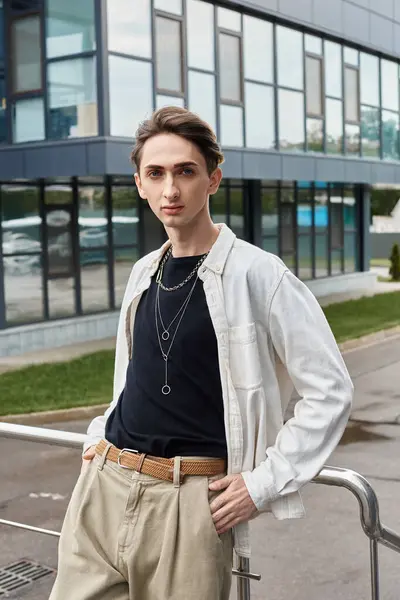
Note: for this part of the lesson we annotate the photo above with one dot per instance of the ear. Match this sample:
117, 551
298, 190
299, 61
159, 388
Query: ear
141, 191
215, 180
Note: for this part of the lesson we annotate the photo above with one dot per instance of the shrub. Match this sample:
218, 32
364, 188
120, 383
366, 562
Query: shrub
395, 263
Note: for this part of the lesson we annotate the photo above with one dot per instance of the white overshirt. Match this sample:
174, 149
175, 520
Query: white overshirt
272, 336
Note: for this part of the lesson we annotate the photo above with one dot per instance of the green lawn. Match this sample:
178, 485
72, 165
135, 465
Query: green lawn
88, 380
379, 262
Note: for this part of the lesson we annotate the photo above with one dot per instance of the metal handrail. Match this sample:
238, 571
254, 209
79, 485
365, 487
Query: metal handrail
333, 476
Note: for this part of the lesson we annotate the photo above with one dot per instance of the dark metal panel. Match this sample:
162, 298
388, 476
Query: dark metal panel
383, 172
233, 165
329, 169
365, 219
382, 33
259, 165
356, 22
11, 163
300, 9
117, 158
96, 158
103, 104
357, 171
298, 168
56, 161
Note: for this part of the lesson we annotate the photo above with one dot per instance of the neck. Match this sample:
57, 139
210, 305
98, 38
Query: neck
193, 240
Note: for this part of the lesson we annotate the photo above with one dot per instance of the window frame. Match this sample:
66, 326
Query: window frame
183, 54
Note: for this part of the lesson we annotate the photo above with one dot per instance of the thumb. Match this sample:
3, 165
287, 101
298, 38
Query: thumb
221, 484
89, 454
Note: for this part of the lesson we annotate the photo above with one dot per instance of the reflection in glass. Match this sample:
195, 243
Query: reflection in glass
321, 207
23, 279
349, 210
352, 139
351, 56
336, 262
69, 27
258, 50
129, 27
304, 253
218, 205
202, 96
369, 79
92, 218
314, 86
26, 53
287, 224
236, 211
231, 125
291, 120
200, 34
336, 217
59, 228
333, 69
169, 53
28, 122
72, 98
290, 57
3, 121
390, 84
351, 90
370, 131
390, 135
94, 281
172, 6
164, 100
334, 126
59, 193
229, 59
350, 252
20, 221
321, 255
127, 107
125, 219
229, 19
315, 135
61, 297
124, 259
290, 261
270, 244
269, 208
260, 116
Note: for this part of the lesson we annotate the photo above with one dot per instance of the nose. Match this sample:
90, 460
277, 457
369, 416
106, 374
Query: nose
170, 191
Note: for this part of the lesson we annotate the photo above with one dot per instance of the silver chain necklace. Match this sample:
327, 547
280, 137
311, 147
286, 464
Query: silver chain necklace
185, 281
165, 335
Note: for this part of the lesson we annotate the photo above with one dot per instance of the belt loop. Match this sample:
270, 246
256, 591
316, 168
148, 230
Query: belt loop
141, 461
104, 457
177, 471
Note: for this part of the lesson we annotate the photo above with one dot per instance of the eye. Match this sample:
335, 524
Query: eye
187, 171
155, 173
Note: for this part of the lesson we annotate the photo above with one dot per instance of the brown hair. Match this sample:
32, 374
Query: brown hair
182, 122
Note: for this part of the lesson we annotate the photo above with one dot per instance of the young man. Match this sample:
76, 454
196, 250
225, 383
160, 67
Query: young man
213, 334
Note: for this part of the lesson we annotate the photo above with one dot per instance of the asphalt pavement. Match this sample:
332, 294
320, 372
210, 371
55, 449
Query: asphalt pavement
322, 557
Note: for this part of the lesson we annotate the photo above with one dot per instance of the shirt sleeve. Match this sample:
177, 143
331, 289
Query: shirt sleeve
305, 344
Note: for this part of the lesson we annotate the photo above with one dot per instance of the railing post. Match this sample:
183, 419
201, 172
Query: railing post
373, 546
243, 583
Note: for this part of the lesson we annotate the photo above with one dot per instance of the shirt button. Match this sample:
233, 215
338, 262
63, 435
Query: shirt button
218, 268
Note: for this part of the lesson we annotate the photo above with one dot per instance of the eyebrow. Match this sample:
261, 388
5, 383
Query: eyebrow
186, 163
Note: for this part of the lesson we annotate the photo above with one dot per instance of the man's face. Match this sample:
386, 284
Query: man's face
173, 178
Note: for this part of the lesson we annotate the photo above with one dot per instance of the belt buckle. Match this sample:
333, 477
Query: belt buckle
121, 452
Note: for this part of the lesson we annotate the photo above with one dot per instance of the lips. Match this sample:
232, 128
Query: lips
172, 210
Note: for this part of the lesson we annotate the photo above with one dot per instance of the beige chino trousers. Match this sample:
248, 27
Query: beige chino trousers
129, 536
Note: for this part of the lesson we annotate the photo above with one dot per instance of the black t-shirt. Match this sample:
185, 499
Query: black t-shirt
190, 420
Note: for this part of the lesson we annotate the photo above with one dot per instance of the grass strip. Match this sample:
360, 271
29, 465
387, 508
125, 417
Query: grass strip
87, 380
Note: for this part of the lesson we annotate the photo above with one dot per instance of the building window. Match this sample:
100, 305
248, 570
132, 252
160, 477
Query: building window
290, 58
390, 85
291, 120
229, 19
334, 126
314, 86
231, 125
169, 54
69, 27
390, 135
269, 216
72, 98
202, 98
127, 107
369, 79
258, 50
370, 131
162, 101
352, 102
129, 27
260, 116
200, 35
3, 101
28, 120
230, 68
333, 70
26, 54
227, 206
171, 6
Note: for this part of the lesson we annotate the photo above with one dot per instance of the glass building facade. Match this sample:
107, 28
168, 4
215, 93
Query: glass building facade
77, 77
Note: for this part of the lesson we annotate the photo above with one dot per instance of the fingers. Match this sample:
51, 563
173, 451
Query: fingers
90, 453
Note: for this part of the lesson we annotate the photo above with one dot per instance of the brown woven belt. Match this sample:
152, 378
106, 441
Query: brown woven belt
161, 468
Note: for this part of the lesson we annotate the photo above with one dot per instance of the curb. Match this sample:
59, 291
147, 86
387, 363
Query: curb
89, 412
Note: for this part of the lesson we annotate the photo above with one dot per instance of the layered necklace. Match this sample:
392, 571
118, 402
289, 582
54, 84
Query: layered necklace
164, 333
